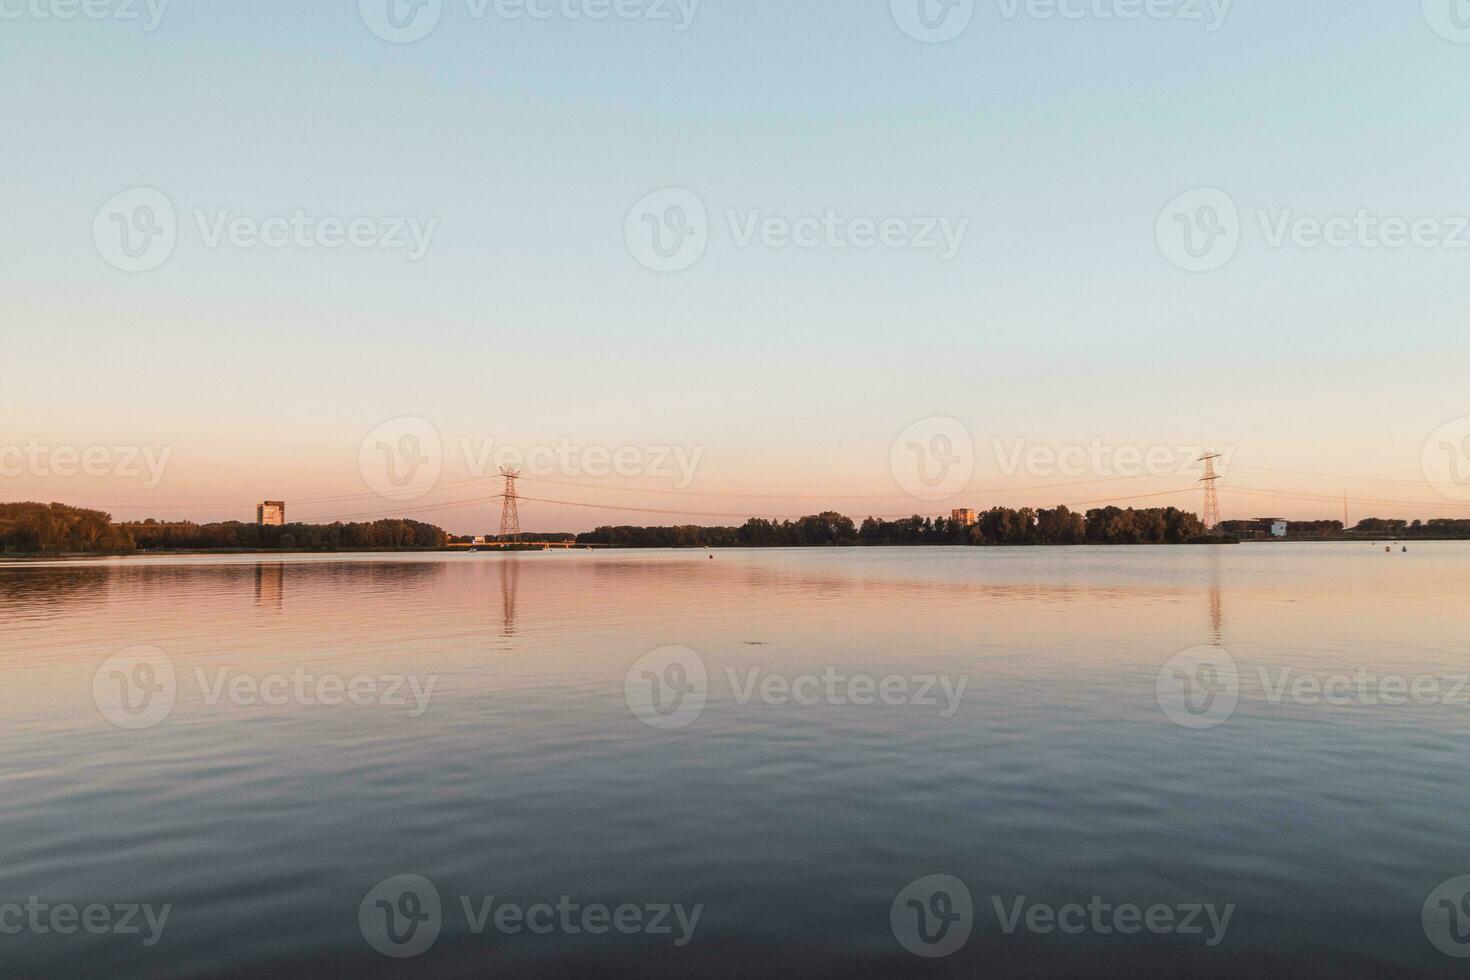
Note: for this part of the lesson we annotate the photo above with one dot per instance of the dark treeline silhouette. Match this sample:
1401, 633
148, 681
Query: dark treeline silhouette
377, 535
998, 526
1439, 527
56, 528
38, 527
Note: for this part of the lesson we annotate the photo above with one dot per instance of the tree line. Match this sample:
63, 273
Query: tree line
387, 535
995, 527
31, 527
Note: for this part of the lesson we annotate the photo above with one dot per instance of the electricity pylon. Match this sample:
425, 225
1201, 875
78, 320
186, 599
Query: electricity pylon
1212, 494
510, 517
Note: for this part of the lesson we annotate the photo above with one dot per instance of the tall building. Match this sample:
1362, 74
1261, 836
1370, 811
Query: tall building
964, 515
271, 513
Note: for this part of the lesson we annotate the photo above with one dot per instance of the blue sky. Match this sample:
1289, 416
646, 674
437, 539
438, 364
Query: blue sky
528, 320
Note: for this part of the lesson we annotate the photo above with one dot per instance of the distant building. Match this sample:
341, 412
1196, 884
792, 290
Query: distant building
964, 516
271, 513
1259, 529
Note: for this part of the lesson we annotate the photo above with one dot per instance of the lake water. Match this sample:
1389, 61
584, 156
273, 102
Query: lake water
789, 745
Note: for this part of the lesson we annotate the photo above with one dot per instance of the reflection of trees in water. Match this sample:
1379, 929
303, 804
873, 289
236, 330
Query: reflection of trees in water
35, 587
267, 581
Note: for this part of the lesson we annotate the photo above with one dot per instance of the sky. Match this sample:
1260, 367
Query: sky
680, 264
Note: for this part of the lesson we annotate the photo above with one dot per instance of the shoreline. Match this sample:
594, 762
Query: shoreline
25, 558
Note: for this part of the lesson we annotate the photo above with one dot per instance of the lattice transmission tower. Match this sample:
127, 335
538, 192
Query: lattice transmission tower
510, 517
1212, 494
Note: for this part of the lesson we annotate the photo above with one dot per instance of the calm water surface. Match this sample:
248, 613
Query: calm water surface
527, 776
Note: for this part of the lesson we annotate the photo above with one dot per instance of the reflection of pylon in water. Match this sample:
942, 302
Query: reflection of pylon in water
1211, 515
510, 518
1217, 601
510, 574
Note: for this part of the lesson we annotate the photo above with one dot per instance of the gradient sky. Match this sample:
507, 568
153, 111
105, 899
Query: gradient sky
529, 321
